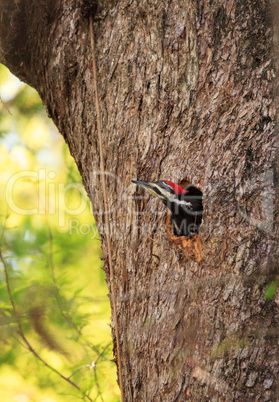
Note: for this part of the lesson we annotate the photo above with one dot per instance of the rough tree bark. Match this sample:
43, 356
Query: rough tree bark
187, 93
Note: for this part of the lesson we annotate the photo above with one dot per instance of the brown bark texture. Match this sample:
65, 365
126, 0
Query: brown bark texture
187, 92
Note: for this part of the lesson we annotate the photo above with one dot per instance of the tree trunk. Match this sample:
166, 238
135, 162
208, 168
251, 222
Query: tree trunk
187, 94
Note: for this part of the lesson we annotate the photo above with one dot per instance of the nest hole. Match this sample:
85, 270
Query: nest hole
191, 246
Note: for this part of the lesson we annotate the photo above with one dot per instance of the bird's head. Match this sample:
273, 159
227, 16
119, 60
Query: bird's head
185, 204
167, 191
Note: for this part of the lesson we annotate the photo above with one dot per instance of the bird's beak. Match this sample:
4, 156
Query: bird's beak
152, 188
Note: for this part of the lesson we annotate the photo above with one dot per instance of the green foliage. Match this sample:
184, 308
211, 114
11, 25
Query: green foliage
271, 289
51, 261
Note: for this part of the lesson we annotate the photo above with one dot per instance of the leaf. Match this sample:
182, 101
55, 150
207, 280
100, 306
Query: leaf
271, 290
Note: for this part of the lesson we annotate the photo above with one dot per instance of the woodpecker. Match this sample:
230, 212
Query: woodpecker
185, 205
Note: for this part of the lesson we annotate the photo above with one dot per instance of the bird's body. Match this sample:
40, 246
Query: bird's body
185, 205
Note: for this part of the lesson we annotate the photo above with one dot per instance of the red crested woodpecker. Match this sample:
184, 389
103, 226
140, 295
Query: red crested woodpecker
185, 205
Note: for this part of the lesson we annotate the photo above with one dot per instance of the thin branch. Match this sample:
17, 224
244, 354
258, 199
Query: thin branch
94, 367
105, 198
90, 365
5, 106
57, 295
97, 383
95, 373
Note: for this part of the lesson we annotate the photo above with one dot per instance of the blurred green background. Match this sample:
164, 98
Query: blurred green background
51, 250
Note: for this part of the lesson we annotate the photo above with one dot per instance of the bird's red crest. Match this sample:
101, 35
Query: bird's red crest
176, 187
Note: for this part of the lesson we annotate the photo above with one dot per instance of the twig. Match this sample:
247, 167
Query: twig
5, 106
105, 198
57, 295
97, 383
89, 365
